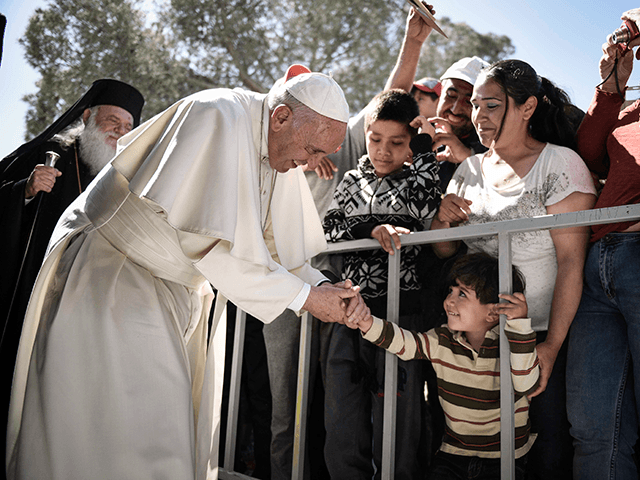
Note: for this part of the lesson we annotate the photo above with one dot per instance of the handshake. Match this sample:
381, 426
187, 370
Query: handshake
339, 303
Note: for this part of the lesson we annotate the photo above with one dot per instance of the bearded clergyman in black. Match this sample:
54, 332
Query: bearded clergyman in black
33, 196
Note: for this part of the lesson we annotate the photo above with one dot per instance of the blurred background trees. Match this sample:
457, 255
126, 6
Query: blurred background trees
177, 47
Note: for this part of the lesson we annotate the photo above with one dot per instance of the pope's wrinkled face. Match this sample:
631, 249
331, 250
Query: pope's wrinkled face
301, 138
113, 121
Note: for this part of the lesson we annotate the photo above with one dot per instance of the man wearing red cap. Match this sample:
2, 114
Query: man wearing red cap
114, 378
84, 138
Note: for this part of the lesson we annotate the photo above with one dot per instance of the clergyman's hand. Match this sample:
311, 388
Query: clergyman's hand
42, 179
329, 303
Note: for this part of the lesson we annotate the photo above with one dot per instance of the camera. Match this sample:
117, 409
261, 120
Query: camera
627, 32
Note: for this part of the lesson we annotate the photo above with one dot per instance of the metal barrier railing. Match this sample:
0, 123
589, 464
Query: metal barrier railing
503, 230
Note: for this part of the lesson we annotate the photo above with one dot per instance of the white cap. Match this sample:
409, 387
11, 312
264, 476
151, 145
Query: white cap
320, 93
466, 69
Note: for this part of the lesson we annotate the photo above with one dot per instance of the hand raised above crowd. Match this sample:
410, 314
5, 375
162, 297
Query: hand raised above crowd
612, 53
417, 28
634, 16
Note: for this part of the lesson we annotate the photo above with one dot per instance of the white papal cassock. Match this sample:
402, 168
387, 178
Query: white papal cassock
114, 378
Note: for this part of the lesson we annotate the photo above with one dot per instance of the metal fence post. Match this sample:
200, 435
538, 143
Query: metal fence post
507, 415
302, 398
234, 390
391, 374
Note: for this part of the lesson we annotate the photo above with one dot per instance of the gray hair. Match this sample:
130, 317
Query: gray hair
70, 134
301, 113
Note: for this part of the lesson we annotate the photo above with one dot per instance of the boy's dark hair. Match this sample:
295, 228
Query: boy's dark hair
480, 272
396, 105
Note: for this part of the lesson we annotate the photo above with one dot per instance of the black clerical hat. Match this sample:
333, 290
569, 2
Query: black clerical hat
114, 92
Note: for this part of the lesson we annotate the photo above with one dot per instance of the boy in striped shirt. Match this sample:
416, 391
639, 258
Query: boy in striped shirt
465, 356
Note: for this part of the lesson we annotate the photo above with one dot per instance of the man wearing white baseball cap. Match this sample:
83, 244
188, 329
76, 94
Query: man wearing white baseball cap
454, 130
114, 378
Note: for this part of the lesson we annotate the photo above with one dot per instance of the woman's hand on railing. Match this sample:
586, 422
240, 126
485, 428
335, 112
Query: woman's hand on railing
389, 235
453, 209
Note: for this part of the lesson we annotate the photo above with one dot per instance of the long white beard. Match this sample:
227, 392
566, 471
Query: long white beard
94, 150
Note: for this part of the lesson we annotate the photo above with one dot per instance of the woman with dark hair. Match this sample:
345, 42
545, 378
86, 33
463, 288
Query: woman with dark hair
529, 170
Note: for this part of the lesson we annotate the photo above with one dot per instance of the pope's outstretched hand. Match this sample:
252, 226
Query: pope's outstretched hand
330, 303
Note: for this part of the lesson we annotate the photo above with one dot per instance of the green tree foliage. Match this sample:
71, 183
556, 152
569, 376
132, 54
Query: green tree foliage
72, 43
438, 52
250, 43
198, 44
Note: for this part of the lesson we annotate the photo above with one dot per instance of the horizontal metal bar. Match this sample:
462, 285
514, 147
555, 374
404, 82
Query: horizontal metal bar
581, 218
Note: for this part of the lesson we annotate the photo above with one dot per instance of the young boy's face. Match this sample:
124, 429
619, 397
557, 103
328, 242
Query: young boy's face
388, 146
464, 311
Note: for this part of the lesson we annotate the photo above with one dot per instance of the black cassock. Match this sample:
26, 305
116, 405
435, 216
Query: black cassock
16, 223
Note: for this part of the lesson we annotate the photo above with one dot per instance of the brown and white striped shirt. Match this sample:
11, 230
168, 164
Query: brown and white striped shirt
469, 381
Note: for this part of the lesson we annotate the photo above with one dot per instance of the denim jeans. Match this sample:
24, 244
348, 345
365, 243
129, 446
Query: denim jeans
604, 361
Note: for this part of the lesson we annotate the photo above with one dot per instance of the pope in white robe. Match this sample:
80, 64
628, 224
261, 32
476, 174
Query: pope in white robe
114, 378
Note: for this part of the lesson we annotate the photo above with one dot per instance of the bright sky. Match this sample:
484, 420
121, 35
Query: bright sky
561, 40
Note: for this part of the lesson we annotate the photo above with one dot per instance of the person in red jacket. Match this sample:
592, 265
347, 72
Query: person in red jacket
603, 372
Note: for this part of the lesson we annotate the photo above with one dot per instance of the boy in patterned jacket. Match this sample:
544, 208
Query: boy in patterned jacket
465, 355
394, 191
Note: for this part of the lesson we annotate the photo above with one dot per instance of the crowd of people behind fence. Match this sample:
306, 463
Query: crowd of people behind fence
118, 236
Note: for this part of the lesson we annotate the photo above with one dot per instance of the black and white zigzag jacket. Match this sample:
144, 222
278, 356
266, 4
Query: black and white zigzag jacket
363, 200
